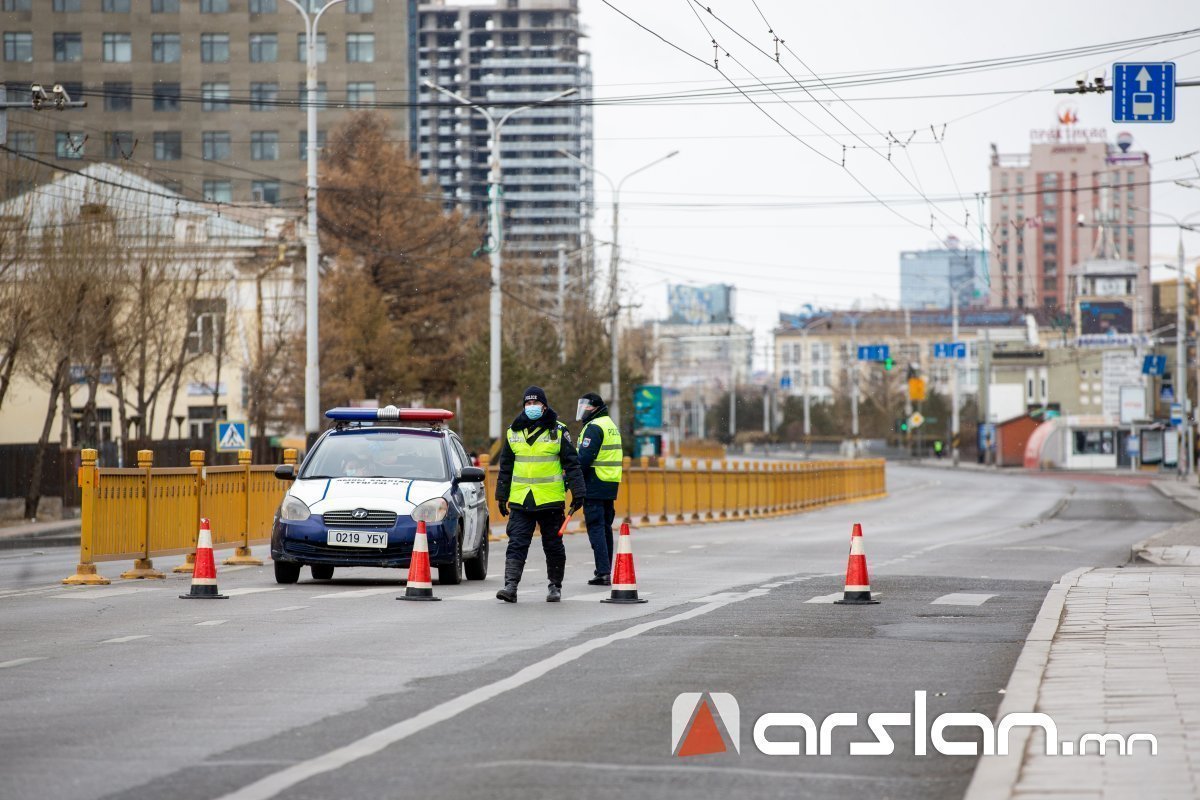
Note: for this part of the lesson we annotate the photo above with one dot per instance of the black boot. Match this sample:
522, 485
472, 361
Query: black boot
555, 570
553, 593
512, 576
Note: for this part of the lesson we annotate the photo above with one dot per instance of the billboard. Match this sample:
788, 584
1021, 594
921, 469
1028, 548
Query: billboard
1105, 316
700, 305
647, 407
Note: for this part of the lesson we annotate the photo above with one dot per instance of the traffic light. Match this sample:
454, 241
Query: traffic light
888, 363
902, 425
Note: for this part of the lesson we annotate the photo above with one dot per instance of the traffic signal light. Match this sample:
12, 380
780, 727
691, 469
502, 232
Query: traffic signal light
902, 425
888, 363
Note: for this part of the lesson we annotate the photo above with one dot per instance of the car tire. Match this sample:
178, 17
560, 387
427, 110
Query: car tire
452, 574
321, 572
476, 568
286, 572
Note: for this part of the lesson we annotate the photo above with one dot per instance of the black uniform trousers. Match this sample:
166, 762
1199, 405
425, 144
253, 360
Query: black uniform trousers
599, 515
521, 524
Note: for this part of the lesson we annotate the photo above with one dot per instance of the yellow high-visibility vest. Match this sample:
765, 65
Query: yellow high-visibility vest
608, 460
536, 467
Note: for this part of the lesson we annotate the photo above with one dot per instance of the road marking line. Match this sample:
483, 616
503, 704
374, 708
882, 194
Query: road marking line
697, 546
830, 598
353, 593
590, 596
252, 590
486, 594
673, 552
770, 586
16, 662
212, 622
272, 785
291, 608
962, 599
100, 594
121, 639
683, 769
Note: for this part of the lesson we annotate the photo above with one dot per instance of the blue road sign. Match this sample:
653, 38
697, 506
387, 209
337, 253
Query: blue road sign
1176, 414
873, 352
949, 349
785, 382
231, 436
1154, 365
1144, 92
647, 407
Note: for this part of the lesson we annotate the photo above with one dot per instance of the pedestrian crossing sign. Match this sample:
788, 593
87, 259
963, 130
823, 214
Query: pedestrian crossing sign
231, 436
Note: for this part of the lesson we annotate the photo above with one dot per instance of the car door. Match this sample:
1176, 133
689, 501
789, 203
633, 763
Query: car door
474, 500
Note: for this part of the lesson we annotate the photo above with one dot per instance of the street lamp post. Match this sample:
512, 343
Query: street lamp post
312, 247
495, 236
614, 262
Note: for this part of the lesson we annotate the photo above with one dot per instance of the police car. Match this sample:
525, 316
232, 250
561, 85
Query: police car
357, 497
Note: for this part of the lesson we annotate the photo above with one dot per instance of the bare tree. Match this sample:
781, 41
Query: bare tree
15, 308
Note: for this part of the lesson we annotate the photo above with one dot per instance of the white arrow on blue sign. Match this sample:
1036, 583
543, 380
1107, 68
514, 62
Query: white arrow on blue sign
1144, 92
950, 350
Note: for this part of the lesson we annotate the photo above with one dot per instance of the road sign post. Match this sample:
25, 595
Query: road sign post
1144, 92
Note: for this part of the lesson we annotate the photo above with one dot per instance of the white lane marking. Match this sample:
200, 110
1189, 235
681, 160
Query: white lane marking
252, 590
727, 597
239, 567
29, 592
697, 546
830, 598
771, 585
100, 594
122, 639
16, 662
272, 785
962, 599
350, 594
486, 594
590, 596
673, 552
291, 608
211, 622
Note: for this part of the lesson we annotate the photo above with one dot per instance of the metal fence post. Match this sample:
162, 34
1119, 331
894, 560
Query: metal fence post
196, 462
242, 554
89, 482
143, 567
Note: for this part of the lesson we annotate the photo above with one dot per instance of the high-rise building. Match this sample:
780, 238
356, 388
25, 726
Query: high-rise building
501, 55
1074, 198
930, 278
202, 96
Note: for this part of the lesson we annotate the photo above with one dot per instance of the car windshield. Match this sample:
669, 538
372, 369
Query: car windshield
381, 454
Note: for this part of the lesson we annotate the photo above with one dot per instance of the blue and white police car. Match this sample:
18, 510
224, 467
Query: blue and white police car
363, 486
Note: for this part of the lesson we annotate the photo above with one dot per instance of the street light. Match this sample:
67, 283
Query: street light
312, 246
614, 261
495, 236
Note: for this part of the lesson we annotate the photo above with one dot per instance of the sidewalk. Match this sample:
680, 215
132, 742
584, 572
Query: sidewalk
54, 533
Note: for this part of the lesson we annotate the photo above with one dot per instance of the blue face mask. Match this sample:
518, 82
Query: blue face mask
534, 412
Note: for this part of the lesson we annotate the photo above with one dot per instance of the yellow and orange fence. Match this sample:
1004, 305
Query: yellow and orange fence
703, 491
144, 512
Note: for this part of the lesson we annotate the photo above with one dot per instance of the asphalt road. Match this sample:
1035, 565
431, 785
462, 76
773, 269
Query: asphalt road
333, 689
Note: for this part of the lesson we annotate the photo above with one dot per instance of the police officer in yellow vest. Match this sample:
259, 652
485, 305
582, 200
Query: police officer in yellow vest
537, 463
600, 456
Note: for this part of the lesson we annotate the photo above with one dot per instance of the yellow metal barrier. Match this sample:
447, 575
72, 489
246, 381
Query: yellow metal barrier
145, 512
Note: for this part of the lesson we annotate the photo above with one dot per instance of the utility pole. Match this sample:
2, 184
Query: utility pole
854, 377
562, 303
954, 377
732, 396
1181, 370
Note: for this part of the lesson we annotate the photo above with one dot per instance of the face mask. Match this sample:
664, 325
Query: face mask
582, 410
533, 412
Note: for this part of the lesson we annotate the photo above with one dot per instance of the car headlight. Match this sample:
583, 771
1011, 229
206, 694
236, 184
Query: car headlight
431, 510
293, 510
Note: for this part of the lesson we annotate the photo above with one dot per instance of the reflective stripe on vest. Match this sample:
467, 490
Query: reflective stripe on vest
536, 468
607, 469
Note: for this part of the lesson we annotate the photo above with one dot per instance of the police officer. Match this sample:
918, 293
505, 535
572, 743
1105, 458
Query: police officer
600, 456
537, 463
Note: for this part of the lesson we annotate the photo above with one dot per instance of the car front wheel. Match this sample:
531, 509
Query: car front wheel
286, 572
452, 574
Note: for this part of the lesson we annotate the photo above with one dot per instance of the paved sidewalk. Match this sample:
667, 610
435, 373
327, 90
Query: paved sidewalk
1178, 546
53, 533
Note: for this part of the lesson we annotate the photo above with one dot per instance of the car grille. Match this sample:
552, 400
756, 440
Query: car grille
374, 519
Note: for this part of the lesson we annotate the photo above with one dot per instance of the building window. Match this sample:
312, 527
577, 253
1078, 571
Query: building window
264, 47
68, 145
302, 44
201, 421
214, 48
263, 6
206, 326
264, 145
166, 97
214, 6
67, 6
168, 145
321, 98
304, 142
360, 6
68, 47
22, 142
265, 191
118, 144
360, 47
360, 94
1050, 267
118, 96
1092, 443
216, 145
164, 6
218, 192
1049, 249
164, 48
18, 46
115, 6
117, 48
263, 96
214, 97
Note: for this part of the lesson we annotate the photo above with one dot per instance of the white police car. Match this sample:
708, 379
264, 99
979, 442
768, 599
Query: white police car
364, 485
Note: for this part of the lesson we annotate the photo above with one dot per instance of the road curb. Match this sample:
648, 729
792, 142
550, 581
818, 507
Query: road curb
996, 777
64, 534
1190, 504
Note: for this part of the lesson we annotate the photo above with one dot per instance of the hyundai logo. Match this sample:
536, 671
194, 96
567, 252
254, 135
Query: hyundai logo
359, 513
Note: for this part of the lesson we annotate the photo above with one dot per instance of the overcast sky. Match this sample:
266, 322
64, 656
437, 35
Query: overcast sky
747, 202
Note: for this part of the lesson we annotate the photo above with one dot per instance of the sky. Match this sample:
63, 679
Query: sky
810, 205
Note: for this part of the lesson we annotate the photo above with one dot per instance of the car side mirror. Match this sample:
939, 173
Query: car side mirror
286, 472
470, 475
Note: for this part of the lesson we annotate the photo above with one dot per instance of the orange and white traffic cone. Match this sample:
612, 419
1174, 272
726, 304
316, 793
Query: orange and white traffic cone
204, 575
624, 582
420, 582
858, 586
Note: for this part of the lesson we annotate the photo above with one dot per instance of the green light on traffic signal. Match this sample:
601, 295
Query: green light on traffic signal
904, 427
888, 363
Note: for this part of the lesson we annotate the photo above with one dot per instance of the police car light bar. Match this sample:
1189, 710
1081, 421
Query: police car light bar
388, 413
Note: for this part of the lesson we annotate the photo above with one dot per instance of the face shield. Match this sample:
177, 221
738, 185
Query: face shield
583, 408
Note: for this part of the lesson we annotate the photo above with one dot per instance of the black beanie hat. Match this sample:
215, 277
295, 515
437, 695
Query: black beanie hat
535, 393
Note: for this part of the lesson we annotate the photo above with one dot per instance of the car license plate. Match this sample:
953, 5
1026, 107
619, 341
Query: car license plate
357, 539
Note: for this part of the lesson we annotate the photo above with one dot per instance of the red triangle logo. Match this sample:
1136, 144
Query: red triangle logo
703, 737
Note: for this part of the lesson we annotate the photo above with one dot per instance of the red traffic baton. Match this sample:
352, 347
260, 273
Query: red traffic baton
566, 522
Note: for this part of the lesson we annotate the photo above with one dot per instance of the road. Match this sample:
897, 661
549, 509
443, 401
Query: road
333, 689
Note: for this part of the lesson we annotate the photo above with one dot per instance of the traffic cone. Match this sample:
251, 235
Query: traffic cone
204, 575
624, 582
420, 583
858, 587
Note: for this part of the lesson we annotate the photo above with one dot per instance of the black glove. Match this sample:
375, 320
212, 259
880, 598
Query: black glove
502, 505
576, 504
